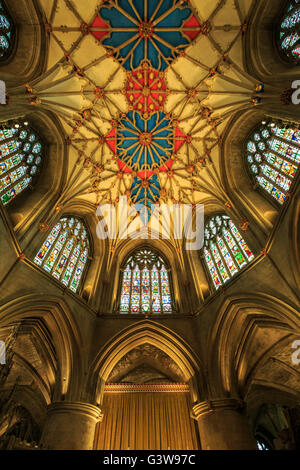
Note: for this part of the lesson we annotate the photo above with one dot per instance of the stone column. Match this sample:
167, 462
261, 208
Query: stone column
70, 426
223, 425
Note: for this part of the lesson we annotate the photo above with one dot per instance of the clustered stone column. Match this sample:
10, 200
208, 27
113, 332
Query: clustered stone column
70, 426
223, 425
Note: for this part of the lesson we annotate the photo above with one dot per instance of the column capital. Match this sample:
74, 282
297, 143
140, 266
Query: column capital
216, 404
81, 408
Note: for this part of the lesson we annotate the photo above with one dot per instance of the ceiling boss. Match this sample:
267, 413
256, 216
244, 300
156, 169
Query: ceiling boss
144, 91
146, 37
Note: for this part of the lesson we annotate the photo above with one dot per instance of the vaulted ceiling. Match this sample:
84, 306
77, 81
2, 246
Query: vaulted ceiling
144, 91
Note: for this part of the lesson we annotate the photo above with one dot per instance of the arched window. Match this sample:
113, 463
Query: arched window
289, 34
65, 252
20, 159
273, 156
225, 251
145, 284
6, 32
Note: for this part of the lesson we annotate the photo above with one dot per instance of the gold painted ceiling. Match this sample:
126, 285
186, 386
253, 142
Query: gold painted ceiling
144, 90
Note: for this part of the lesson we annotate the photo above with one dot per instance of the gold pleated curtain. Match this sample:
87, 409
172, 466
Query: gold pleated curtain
146, 420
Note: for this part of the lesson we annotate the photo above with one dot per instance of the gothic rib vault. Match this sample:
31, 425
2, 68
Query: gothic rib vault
144, 91
148, 123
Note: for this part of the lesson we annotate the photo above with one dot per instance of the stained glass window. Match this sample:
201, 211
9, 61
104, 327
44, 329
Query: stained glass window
273, 156
145, 284
21, 154
65, 252
6, 32
225, 251
289, 34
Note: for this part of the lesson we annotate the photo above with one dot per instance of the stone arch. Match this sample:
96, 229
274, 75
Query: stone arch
156, 335
64, 331
262, 51
155, 251
52, 177
247, 331
165, 247
235, 173
203, 275
29, 54
97, 249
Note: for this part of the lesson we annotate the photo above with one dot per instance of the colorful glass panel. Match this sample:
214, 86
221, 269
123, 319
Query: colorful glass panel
125, 294
238, 256
68, 246
218, 260
135, 291
63, 259
145, 284
48, 266
227, 256
47, 245
165, 291
71, 265
289, 34
145, 301
273, 157
6, 32
155, 282
18, 167
241, 241
225, 250
79, 271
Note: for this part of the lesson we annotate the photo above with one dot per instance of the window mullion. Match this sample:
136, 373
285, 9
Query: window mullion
283, 139
130, 289
12, 154
278, 170
237, 244
141, 278
69, 258
58, 256
160, 292
82, 250
222, 257
284, 191
279, 154
215, 264
150, 281
14, 182
230, 251
8, 139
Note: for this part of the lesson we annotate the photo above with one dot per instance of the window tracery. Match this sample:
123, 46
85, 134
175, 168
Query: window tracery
65, 252
145, 284
273, 157
21, 155
289, 34
225, 250
6, 32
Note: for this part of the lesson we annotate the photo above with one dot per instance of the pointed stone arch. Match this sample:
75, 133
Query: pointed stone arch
64, 330
160, 337
247, 331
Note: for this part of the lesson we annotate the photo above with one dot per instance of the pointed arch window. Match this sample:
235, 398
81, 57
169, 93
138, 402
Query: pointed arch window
289, 33
21, 155
225, 250
273, 157
145, 284
6, 32
65, 252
